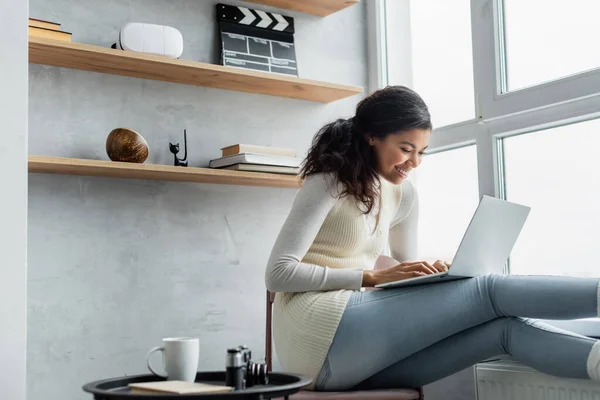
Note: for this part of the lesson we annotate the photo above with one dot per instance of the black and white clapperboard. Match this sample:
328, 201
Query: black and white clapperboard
257, 40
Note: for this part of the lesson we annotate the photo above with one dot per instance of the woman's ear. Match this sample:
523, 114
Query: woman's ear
370, 139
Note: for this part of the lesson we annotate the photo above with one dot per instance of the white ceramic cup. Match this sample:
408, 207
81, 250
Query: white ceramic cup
180, 358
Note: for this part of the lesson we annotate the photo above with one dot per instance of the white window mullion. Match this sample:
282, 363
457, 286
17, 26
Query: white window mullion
488, 164
486, 54
389, 43
399, 42
377, 44
454, 136
551, 116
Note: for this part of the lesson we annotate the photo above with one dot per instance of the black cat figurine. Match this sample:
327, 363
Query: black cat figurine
174, 148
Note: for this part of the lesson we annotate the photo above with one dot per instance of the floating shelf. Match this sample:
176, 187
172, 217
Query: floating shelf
160, 68
315, 7
75, 166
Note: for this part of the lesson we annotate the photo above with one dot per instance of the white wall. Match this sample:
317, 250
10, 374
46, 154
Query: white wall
114, 265
13, 197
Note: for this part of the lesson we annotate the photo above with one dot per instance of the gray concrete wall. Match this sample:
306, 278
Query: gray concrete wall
115, 265
13, 199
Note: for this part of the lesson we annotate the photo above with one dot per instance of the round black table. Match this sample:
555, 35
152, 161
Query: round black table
280, 385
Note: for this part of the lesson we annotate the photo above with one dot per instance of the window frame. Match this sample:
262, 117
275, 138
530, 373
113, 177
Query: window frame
490, 79
563, 101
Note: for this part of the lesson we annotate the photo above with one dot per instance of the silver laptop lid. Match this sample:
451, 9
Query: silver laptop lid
489, 238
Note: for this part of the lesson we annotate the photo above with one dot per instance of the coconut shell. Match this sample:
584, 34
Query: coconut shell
126, 145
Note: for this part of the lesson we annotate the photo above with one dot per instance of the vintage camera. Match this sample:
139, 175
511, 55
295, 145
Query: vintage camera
241, 372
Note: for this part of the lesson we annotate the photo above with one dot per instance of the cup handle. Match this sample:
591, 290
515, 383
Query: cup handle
158, 348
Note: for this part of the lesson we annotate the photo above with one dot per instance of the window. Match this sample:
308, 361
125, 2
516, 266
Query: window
556, 173
508, 84
442, 60
448, 196
546, 40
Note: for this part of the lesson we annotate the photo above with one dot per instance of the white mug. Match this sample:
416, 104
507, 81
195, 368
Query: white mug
180, 358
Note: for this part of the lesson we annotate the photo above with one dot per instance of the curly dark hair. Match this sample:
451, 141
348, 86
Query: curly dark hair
341, 147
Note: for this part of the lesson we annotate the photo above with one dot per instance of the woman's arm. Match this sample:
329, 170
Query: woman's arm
285, 272
403, 229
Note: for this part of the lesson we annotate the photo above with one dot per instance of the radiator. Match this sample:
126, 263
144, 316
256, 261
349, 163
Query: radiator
508, 380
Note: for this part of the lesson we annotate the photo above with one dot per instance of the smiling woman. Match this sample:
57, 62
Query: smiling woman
386, 138
355, 202
399, 153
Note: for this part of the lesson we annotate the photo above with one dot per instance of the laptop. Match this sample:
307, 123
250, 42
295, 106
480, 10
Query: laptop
485, 246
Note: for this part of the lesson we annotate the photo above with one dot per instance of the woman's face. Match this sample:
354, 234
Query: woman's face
399, 153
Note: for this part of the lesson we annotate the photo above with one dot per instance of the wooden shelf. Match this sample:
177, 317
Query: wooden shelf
315, 7
75, 166
148, 66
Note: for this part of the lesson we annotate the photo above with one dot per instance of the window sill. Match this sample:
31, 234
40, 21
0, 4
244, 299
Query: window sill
587, 326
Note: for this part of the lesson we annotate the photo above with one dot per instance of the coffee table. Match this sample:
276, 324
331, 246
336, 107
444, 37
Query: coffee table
280, 385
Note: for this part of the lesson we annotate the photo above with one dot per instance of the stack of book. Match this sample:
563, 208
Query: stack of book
47, 30
245, 157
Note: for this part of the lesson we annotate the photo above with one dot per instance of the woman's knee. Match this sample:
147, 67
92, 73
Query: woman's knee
491, 279
502, 331
487, 285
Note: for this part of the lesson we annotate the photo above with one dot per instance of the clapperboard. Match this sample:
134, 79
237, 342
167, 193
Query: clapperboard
258, 40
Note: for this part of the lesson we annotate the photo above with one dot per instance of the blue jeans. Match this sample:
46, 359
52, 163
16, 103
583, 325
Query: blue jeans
412, 336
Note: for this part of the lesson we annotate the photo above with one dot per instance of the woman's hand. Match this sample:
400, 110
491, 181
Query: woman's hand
404, 270
441, 265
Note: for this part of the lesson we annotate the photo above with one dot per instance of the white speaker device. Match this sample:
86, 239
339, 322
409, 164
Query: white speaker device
150, 38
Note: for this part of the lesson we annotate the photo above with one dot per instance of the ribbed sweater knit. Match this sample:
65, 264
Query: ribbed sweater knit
318, 258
